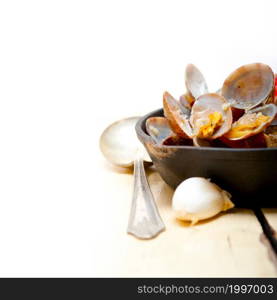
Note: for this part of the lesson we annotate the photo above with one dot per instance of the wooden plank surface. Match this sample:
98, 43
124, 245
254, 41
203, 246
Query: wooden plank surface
231, 244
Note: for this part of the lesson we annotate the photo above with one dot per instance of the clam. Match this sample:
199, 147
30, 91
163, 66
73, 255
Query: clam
249, 86
211, 116
253, 122
195, 82
177, 115
158, 128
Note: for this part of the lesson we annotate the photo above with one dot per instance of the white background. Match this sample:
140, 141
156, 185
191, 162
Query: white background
68, 69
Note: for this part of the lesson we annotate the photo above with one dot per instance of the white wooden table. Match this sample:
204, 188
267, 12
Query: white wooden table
231, 244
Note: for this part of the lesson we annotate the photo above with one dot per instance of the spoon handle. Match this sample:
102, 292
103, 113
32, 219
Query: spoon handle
144, 221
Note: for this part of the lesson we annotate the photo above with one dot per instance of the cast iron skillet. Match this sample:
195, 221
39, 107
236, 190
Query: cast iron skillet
250, 175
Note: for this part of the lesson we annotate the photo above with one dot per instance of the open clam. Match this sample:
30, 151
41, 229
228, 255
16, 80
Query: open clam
195, 82
211, 116
158, 128
252, 123
249, 86
177, 116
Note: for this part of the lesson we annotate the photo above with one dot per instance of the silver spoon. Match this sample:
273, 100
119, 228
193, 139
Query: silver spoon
120, 145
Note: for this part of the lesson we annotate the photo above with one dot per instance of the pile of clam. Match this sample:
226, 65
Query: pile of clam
239, 115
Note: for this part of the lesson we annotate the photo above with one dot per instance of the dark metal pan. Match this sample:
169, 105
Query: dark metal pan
250, 175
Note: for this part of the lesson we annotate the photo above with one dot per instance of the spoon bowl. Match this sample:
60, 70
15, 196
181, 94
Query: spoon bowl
119, 143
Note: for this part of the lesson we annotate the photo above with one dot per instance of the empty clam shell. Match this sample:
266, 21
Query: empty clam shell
249, 85
158, 128
211, 116
177, 116
195, 81
252, 123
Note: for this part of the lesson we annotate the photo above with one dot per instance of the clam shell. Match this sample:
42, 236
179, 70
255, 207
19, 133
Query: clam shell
206, 105
158, 128
249, 86
177, 116
195, 82
269, 110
